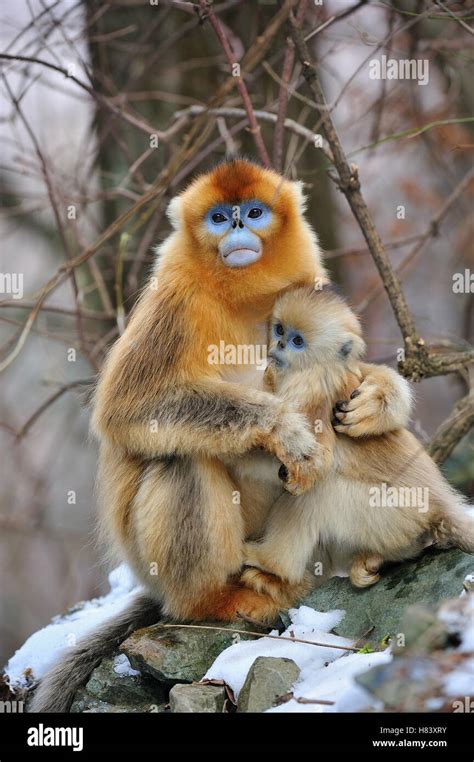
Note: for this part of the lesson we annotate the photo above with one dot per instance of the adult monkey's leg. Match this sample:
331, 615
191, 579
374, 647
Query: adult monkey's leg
187, 542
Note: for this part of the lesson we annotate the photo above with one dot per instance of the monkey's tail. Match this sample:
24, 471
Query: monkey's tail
456, 529
56, 690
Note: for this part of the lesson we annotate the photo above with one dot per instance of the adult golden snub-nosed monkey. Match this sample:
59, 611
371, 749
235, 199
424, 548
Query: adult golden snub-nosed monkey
169, 419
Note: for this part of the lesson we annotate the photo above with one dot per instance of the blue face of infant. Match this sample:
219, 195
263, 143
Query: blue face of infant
285, 341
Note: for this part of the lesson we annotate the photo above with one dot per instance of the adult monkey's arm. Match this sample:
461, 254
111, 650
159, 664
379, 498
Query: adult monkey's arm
211, 419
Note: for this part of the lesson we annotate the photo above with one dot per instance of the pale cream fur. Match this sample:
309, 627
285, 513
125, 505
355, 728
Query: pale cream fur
338, 518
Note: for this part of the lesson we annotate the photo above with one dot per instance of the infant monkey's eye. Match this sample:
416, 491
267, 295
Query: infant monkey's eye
279, 330
255, 213
298, 341
218, 217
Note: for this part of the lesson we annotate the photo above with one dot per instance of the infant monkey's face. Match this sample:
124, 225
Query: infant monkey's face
310, 329
287, 346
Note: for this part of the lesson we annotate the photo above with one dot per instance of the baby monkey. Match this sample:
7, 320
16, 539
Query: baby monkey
376, 499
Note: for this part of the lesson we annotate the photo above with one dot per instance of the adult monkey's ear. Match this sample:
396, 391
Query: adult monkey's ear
300, 195
174, 213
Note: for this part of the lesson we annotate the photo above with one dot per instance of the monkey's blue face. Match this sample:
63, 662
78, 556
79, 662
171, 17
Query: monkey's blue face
284, 343
237, 229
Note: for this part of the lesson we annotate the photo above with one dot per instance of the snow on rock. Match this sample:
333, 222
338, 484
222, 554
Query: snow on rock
123, 668
326, 673
460, 681
43, 649
334, 683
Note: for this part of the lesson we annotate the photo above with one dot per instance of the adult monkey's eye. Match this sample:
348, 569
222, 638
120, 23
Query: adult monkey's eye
279, 330
217, 217
298, 341
255, 213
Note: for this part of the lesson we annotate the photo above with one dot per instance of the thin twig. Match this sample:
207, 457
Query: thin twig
418, 363
432, 231
85, 313
283, 96
348, 182
455, 17
333, 19
190, 145
301, 700
265, 116
102, 99
261, 635
47, 403
208, 13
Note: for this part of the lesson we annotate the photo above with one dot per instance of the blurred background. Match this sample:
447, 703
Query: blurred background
96, 100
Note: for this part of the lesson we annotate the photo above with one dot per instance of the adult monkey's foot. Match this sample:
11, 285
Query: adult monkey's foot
236, 601
283, 592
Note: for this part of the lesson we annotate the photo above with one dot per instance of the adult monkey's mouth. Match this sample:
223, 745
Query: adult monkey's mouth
241, 257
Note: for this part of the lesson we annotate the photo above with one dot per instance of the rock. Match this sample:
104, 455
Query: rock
114, 682
429, 579
417, 683
420, 631
428, 674
179, 654
84, 703
267, 680
197, 698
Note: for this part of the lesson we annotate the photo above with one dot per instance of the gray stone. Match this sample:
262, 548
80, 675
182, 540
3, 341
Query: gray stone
84, 703
267, 680
434, 576
415, 683
197, 698
179, 654
420, 631
106, 684
416, 679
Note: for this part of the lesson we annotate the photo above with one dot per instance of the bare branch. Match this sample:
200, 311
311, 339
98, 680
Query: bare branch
207, 12
47, 403
264, 116
453, 429
288, 63
261, 635
429, 364
432, 231
348, 183
419, 362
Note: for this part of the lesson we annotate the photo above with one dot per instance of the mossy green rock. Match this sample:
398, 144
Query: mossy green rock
84, 703
428, 580
109, 685
179, 654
